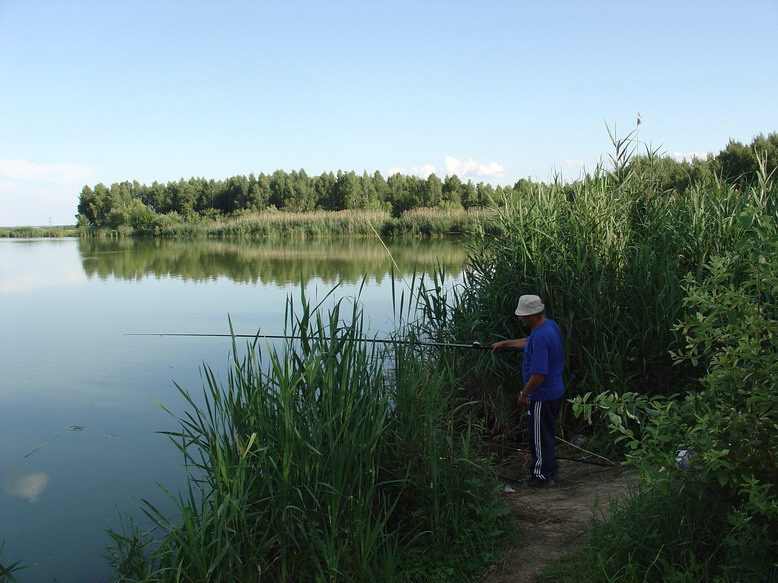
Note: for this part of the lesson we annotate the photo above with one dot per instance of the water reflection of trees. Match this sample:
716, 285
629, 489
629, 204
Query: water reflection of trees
271, 261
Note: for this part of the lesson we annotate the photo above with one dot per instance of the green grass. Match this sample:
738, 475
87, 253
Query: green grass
670, 533
418, 222
608, 255
31, 232
430, 222
7, 570
328, 459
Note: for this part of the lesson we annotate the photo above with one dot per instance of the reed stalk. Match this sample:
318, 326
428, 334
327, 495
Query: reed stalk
608, 255
326, 459
427, 222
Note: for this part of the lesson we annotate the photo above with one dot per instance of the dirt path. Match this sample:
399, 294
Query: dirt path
553, 520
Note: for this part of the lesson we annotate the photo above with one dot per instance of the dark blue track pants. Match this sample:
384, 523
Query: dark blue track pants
541, 425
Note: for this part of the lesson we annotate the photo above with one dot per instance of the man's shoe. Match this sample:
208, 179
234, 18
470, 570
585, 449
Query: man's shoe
535, 482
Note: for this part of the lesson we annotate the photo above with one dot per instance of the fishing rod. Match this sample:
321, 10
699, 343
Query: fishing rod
473, 345
569, 459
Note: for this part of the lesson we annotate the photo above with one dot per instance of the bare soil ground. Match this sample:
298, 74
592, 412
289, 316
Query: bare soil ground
553, 521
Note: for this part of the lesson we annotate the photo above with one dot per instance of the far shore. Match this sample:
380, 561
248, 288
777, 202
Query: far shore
425, 222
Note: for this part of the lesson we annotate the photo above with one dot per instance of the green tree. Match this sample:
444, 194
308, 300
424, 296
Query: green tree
208, 193
416, 189
102, 198
452, 190
182, 197
381, 188
324, 191
399, 195
741, 165
484, 196
370, 200
280, 190
139, 217
157, 198
88, 204
348, 192
432, 193
301, 197
259, 192
234, 196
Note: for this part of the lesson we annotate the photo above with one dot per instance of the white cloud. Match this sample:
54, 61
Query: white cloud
59, 276
472, 168
577, 163
424, 170
463, 169
51, 173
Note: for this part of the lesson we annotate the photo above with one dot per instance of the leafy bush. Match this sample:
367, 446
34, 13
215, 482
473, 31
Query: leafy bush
729, 422
608, 255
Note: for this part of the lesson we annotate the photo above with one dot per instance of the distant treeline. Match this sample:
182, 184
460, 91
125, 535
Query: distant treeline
132, 207
137, 205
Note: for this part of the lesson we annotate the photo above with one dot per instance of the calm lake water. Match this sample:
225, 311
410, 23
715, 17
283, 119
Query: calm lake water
79, 441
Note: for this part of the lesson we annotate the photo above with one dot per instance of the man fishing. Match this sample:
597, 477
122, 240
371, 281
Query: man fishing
544, 360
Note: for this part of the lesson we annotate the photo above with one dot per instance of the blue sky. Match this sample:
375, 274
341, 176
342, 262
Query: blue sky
110, 90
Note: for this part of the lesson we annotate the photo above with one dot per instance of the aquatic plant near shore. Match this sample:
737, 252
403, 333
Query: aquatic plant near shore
326, 460
8, 569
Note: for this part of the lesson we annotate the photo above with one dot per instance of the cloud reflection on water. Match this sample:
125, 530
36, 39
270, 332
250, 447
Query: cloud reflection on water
27, 486
27, 265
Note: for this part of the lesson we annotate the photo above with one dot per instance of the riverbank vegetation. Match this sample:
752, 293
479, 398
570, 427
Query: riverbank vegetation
7, 570
34, 232
330, 461
668, 302
296, 204
428, 222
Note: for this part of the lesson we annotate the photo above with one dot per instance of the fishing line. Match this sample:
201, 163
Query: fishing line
472, 345
569, 459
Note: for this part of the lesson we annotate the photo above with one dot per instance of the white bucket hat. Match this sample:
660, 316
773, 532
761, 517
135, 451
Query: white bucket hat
529, 306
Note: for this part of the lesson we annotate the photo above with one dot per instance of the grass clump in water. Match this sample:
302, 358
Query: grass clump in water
330, 459
8, 569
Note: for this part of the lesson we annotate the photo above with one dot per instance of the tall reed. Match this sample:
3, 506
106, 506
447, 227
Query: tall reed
608, 255
433, 222
417, 222
328, 459
254, 224
32, 232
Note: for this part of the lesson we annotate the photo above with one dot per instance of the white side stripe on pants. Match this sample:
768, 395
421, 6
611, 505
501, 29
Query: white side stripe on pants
538, 443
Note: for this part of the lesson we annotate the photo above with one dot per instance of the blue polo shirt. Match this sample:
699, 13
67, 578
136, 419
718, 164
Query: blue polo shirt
544, 354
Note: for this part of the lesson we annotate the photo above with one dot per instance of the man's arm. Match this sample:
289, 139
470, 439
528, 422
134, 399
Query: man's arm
518, 344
